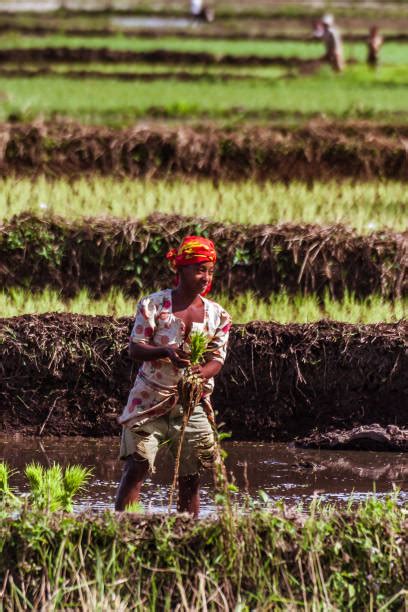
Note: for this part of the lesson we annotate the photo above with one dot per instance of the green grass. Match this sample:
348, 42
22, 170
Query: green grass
244, 308
275, 559
392, 52
364, 206
123, 43
358, 92
270, 72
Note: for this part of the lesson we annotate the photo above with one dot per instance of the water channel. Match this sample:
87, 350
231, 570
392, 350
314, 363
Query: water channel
280, 470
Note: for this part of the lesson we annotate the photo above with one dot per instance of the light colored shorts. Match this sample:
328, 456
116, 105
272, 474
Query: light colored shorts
198, 444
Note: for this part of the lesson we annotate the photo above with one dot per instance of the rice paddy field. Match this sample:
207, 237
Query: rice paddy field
123, 130
365, 206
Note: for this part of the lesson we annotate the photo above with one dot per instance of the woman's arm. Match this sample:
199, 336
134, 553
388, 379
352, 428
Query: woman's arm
142, 351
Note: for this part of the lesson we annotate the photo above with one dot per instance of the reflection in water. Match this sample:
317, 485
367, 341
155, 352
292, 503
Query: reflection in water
282, 471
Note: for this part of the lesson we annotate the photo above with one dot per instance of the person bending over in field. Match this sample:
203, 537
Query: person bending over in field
160, 340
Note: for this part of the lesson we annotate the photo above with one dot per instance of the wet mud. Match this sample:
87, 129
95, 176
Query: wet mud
372, 437
101, 254
70, 375
318, 151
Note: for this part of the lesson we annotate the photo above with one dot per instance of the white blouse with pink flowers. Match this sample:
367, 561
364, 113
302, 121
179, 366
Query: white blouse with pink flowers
154, 392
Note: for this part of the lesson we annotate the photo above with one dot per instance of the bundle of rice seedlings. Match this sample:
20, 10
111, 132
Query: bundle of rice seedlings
190, 387
54, 488
190, 391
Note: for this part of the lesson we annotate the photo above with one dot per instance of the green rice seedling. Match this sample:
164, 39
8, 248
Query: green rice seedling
53, 488
135, 507
6, 492
198, 346
5, 472
45, 486
365, 206
112, 102
74, 480
280, 307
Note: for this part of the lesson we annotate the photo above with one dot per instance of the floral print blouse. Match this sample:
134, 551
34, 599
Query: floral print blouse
154, 392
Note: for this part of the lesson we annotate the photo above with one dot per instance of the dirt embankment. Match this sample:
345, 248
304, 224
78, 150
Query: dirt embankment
318, 151
70, 374
147, 77
101, 254
157, 56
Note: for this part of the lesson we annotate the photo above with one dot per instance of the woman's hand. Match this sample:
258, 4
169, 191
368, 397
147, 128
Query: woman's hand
177, 357
198, 370
208, 370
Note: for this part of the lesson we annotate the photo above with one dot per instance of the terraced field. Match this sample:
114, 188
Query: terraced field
116, 143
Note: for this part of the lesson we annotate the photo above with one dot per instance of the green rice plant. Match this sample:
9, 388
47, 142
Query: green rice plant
75, 477
392, 52
197, 343
358, 93
280, 307
366, 206
6, 491
53, 488
135, 507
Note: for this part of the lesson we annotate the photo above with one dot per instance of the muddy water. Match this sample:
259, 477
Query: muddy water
283, 472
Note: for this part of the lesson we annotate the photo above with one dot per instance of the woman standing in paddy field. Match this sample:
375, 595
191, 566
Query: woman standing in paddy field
160, 339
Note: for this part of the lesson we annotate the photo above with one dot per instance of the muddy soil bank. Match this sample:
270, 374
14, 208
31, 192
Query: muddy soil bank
101, 254
146, 77
254, 30
70, 375
157, 56
317, 151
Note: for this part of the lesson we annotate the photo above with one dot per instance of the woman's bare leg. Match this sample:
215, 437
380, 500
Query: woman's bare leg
134, 474
189, 494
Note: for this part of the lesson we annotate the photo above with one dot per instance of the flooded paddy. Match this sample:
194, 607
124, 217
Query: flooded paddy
130, 22
282, 471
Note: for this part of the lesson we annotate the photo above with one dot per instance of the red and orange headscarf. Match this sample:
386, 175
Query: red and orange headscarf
192, 250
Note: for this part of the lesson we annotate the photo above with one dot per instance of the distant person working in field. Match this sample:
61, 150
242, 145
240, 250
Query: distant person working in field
375, 42
201, 11
160, 339
326, 31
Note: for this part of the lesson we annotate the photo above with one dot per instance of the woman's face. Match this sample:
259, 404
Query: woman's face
196, 277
